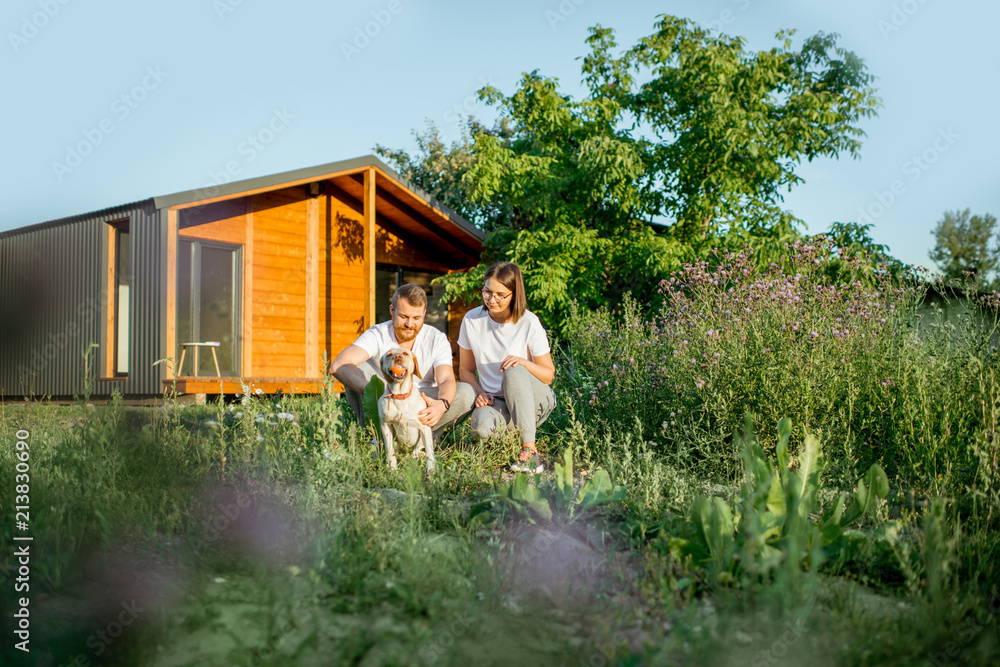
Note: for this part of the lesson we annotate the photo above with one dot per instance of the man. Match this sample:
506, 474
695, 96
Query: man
447, 400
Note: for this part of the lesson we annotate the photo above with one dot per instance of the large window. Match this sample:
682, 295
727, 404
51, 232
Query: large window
388, 278
208, 304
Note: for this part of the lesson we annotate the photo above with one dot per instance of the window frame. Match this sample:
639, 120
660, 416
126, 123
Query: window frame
115, 231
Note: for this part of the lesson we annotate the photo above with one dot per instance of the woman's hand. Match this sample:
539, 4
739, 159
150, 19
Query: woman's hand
483, 400
512, 361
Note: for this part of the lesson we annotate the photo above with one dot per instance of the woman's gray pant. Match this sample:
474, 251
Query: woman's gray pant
465, 396
525, 403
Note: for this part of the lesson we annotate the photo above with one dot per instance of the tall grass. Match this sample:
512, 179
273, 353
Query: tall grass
824, 339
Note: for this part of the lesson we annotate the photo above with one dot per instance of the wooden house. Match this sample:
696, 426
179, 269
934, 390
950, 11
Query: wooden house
248, 282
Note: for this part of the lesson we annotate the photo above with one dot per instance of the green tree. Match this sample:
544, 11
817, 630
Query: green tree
726, 127
962, 248
685, 141
440, 168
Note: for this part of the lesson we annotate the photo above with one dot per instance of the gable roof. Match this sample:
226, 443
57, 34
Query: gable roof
402, 207
407, 210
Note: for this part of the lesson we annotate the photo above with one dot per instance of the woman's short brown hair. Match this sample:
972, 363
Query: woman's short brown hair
508, 274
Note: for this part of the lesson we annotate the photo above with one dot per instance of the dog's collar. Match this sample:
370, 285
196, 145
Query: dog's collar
401, 397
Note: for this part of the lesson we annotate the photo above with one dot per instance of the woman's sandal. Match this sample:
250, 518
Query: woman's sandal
528, 461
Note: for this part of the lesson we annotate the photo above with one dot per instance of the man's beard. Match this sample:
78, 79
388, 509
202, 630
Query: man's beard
404, 335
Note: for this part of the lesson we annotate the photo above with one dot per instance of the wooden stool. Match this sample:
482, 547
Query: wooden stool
209, 344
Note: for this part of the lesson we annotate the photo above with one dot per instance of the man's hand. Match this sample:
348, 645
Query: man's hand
483, 399
432, 414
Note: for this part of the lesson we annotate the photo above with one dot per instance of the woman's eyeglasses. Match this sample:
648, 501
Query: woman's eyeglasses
490, 296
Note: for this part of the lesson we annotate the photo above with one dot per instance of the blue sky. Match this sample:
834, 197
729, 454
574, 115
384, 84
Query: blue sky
112, 102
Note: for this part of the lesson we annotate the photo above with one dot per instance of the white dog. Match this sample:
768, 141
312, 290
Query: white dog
399, 405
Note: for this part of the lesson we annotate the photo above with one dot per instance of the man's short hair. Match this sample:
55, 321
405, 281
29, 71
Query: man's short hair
414, 295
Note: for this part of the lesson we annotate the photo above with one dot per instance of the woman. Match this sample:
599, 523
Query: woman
504, 344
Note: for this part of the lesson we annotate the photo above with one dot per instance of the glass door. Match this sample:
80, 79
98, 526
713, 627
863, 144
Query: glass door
208, 305
388, 278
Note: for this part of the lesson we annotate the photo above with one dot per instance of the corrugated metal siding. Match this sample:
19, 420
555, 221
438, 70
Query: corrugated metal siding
52, 304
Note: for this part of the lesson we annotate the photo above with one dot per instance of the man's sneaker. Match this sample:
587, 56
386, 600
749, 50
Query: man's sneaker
528, 461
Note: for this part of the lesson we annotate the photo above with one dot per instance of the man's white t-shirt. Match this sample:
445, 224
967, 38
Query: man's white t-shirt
431, 349
492, 342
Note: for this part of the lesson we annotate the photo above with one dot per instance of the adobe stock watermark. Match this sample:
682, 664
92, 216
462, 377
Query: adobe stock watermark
434, 651
899, 16
968, 630
458, 111
34, 24
56, 342
223, 518
561, 12
248, 149
223, 7
605, 653
102, 638
121, 108
915, 167
727, 17
776, 652
364, 34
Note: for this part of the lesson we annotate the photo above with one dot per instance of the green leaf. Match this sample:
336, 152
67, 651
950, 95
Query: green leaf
810, 467
564, 481
831, 526
873, 486
713, 520
784, 431
777, 502
526, 498
598, 490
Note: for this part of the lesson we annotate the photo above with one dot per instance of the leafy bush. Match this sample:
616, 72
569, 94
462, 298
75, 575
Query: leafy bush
825, 337
771, 526
560, 502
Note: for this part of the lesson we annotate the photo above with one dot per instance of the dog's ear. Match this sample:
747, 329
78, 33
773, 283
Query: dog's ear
416, 367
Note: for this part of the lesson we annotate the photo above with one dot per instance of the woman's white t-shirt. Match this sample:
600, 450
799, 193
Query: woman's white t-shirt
491, 343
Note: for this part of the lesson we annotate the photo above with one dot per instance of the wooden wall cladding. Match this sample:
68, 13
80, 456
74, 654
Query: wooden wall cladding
223, 221
277, 277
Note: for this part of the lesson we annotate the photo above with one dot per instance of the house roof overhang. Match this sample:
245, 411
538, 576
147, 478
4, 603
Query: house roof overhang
400, 207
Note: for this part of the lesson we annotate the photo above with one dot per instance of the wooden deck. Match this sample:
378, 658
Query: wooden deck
231, 385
